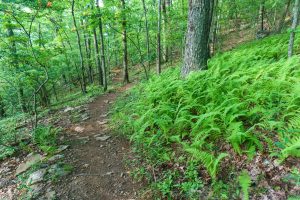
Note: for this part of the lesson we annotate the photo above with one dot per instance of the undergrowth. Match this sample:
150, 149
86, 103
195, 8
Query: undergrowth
248, 100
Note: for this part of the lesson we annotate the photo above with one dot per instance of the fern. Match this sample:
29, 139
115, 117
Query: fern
292, 148
245, 182
210, 162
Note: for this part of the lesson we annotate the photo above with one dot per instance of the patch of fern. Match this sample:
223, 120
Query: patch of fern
247, 97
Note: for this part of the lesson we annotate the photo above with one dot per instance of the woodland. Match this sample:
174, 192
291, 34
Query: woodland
150, 99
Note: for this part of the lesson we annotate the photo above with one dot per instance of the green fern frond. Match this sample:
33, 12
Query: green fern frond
210, 162
245, 182
292, 148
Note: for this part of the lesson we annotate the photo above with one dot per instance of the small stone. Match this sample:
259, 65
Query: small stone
98, 135
106, 101
50, 195
79, 129
109, 173
102, 122
68, 109
85, 118
32, 159
55, 158
62, 148
86, 165
103, 138
36, 177
104, 115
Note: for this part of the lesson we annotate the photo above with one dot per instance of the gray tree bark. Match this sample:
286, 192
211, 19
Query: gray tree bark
97, 57
284, 14
158, 59
294, 26
197, 52
124, 38
80, 50
102, 53
147, 34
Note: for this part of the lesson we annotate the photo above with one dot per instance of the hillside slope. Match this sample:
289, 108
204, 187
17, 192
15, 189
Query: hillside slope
226, 133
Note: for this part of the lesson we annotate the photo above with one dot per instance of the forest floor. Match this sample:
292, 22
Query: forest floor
93, 162
97, 156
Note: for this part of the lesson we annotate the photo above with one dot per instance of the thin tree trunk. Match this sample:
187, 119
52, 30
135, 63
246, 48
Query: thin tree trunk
14, 63
262, 15
97, 58
147, 34
294, 26
80, 50
125, 51
165, 30
102, 53
2, 111
282, 20
158, 59
87, 45
215, 27
196, 52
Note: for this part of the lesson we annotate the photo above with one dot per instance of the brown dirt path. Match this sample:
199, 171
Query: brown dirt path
99, 166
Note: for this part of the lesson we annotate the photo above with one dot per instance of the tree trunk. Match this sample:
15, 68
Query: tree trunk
196, 52
165, 30
14, 63
215, 24
97, 58
147, 34
2, 111
102, 53
87, 44
124, 38
294, 26
158, 59
282, 20
262, 15
22, 99
80, 50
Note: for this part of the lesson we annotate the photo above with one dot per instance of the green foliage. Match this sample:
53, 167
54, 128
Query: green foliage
45, 137
247, 98
245, 182
292, 148
209, 161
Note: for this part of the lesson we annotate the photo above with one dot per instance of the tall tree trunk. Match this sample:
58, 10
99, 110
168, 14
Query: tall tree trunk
147, 34
2, 111
97, 57
215, 27
102, 53
165, 30
22, 99
124, 38
294, 26
262, 15
14, 62
87, 44
196, 52
80, 50
282, 20
158, 59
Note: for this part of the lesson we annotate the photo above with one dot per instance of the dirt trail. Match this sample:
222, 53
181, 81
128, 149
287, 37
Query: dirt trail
98, 157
